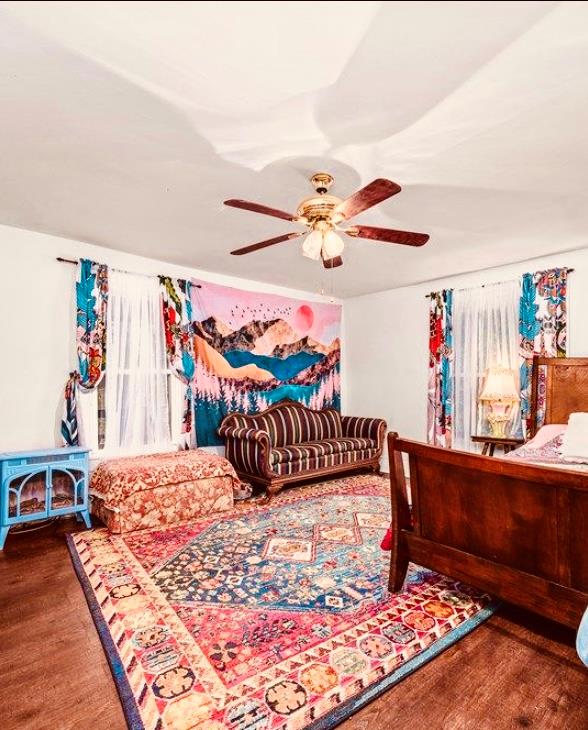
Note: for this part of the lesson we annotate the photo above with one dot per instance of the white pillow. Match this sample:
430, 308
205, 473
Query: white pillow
575, 439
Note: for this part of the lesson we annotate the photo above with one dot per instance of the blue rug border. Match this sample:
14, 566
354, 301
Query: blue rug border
375, 690
326, 722
127, 698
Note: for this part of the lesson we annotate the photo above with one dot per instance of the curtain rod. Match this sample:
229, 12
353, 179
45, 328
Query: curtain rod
122, 271
493, 283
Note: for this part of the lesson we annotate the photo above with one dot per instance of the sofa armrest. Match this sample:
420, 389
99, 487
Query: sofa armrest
248, 449
366, 428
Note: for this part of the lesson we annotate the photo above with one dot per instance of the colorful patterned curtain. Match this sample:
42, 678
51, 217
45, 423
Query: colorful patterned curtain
91, 305
176, 299
543, 330
440, 402
69, 420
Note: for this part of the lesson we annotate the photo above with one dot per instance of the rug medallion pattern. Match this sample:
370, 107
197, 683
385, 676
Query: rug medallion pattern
268, 616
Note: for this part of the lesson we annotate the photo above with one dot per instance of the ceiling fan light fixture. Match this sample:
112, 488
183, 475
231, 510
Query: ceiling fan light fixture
313, 243
322, 213
332, 245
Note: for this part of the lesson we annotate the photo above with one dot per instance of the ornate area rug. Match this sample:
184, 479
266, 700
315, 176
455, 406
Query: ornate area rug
273, 616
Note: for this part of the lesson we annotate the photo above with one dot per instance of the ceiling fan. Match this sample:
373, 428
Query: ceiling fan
322, 214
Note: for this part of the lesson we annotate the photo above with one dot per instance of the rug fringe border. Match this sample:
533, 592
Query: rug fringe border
375, 690
127, 698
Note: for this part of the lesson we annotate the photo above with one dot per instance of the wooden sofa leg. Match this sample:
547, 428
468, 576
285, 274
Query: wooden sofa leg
274, 488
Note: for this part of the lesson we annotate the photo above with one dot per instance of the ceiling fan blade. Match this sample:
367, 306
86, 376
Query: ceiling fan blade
333, 263
257, 208
388, 235
371, 195
264, 244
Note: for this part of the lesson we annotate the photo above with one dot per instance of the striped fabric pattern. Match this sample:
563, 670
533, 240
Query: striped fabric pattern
348, 457
367, 428
292, 424
316, 449
248, 449
292, 438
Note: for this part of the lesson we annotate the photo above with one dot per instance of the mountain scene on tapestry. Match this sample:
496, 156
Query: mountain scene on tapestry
254, 349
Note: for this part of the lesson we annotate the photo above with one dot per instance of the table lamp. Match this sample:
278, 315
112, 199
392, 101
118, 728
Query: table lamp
501, 393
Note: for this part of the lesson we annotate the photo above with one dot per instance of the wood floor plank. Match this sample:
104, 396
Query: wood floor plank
514, 671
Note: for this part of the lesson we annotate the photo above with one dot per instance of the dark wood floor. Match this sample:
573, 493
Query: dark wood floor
514, 671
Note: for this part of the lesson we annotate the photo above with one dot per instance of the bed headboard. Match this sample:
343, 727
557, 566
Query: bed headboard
566, 388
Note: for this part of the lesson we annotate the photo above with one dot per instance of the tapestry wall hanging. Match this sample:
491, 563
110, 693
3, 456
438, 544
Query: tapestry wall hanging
253, 349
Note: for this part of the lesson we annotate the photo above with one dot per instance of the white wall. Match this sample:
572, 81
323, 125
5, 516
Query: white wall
386, 336
37, 321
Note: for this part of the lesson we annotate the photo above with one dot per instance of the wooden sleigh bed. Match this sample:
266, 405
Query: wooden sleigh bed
516, 530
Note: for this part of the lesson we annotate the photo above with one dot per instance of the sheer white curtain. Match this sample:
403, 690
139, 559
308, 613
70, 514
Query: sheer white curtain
136, 398
88, 417
485, 335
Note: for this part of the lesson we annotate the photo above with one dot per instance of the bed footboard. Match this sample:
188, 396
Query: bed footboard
519, 532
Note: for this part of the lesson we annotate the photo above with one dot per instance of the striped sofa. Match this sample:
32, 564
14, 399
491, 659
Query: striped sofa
290, 442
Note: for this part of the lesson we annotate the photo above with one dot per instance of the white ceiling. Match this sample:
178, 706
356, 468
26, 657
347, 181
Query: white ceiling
127, 124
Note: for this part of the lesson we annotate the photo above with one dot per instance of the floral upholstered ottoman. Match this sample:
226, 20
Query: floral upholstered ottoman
159, 490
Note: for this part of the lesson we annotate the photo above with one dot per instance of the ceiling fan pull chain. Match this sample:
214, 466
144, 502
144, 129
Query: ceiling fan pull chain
332, 285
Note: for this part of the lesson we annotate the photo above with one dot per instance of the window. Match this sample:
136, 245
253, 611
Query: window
485, 334
136, 405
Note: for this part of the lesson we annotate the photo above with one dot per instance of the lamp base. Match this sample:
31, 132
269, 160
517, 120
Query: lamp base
499, 416
498, 429
498, 425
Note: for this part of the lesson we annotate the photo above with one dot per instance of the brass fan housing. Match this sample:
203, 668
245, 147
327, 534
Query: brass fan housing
319, 207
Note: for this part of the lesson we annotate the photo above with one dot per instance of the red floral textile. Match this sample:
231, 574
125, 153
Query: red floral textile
153, 490
116, 479
170, 504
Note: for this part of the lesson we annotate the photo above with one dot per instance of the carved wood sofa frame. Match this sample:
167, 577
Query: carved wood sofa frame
273, 483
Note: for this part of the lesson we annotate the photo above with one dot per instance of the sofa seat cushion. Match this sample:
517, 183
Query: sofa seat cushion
297, 466
317, 449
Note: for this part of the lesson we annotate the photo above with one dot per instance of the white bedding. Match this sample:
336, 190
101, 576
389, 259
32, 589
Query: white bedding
574, 447
545, 450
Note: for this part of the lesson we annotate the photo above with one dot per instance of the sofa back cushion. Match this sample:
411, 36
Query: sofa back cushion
323, 425
289, 424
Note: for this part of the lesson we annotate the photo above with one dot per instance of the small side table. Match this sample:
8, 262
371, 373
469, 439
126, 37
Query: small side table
491, 442
35, 485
